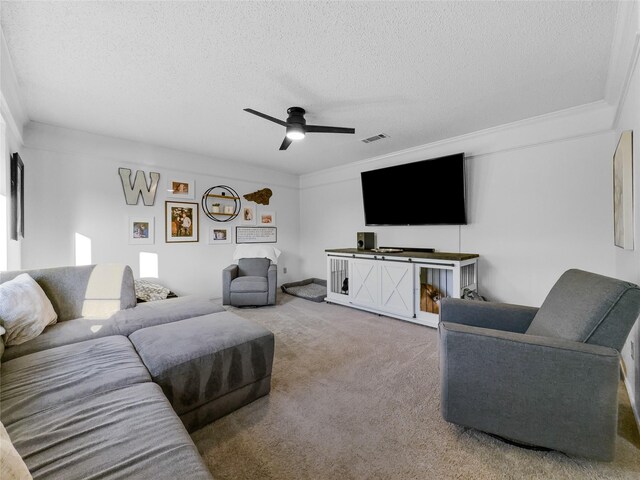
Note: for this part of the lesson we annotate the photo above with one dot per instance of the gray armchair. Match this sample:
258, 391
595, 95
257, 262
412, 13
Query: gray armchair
252, 282
545, 377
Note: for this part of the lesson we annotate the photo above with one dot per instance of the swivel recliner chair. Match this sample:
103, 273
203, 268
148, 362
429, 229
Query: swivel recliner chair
545, 377
252, 282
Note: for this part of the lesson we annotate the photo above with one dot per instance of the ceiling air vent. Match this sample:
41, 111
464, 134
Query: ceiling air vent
380, 136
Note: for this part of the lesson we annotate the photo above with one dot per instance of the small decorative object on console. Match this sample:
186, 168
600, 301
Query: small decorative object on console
366, 240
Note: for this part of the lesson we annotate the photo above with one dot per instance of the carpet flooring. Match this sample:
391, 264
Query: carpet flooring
356, 396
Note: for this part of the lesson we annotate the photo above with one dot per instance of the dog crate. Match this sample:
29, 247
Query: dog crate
435, 281
337, 277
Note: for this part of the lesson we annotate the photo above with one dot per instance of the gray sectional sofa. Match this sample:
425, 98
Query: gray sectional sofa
116, 397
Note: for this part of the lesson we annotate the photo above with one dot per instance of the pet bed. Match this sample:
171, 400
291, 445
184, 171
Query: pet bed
312, 289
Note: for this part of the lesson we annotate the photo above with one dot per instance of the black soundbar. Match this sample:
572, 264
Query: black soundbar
413, 249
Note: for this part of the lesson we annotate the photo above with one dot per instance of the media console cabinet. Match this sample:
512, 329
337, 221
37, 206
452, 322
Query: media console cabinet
404, 285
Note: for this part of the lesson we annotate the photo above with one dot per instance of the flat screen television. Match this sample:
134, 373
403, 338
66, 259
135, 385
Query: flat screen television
429, 192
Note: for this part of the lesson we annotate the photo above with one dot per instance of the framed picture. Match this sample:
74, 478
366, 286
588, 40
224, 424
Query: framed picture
181, 222
181, 188
219, 235
17, 197
267, 219
623, 192
248, 215
256, 234
141, 230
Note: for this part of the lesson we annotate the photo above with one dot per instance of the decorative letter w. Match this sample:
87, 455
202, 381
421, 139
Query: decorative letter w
139, 187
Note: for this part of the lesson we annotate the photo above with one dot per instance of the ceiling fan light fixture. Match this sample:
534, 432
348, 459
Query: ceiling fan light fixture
295, 132
296, 126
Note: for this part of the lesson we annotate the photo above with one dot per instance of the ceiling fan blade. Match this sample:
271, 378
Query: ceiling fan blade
285, 143
323, 129
266, 117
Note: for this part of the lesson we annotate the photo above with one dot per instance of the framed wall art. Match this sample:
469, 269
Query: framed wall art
248, 215
267, 218
181, 222
181, 188
219, 235
17, 197
139, 187
256, 234
140, 230
623, 192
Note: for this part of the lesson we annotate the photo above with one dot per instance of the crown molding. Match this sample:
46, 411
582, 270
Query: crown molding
575, 122
629, 74
11, 103
102, 148
7, 116
625, 29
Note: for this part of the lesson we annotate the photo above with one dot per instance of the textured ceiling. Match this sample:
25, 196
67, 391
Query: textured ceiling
178, 74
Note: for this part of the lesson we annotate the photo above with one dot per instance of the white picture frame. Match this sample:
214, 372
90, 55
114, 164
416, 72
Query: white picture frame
140, 230
623, 229
181, 222
182, 188
256, 235
267, 218
247, 215
219, 235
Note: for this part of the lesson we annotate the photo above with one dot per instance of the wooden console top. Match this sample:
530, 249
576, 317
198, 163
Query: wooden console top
456, 257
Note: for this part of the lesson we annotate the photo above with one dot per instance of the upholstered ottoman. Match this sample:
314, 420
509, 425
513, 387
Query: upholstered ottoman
208, 366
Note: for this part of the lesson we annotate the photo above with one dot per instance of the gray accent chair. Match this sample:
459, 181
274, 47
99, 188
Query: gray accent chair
544, 377
252, 282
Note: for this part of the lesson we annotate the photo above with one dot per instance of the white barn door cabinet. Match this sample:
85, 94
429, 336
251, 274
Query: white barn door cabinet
405, 285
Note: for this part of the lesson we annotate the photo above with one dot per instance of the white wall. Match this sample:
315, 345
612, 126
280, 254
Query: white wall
539, 197
535, 208
627, 262
12, 119
73, 186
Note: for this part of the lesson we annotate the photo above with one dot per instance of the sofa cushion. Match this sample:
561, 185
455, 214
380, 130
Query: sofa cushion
249, 285
12, 467
123, 322
200, 359
127, 433
25, 310
253, 267
581, 307
252, 299
72, 290
41, 380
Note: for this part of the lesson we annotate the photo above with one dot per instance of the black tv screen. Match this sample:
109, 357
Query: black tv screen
429, 192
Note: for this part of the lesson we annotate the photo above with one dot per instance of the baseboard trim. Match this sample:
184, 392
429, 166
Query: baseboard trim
634, 407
